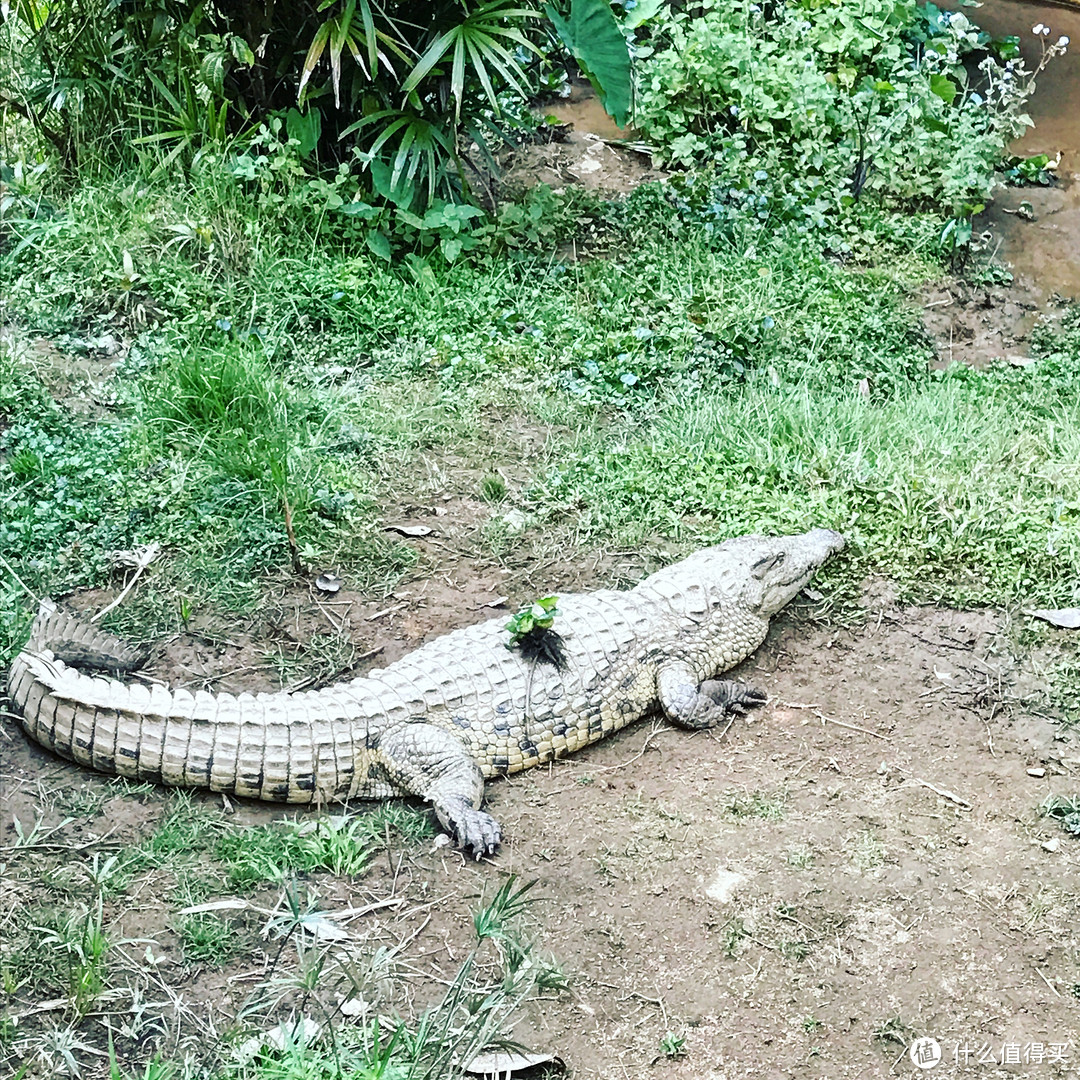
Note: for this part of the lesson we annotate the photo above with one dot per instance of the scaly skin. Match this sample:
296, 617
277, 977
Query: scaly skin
438, 722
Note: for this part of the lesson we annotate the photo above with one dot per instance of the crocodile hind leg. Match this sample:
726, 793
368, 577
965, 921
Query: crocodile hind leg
696, 707
428, 762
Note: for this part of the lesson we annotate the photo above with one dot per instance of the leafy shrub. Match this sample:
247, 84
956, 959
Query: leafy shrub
399, 88
800, 108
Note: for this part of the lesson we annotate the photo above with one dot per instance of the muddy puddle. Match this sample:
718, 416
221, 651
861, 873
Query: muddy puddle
1044, 250
583, 111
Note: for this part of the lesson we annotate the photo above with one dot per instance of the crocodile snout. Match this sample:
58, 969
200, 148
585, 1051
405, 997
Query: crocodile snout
829, 541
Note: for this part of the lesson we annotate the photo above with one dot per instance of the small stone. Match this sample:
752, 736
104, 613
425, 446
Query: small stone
723, 885
328, 583
1052, 846
1037, 773
514, 520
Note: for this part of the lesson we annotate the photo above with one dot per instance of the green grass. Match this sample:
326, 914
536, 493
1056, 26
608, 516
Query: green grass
342, 845
200, 849
867, 852
692, 390
202, 458
759, 804
184, 832
963, 489
801, 857
207, 938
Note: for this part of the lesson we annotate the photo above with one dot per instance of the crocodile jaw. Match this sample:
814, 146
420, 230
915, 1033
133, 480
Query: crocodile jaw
784, 565
754, 574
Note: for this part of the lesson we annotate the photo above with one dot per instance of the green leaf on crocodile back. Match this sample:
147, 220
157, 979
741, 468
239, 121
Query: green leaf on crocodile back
538, 614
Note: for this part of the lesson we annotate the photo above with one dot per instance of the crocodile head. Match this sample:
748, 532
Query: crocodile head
777, 568
755, 574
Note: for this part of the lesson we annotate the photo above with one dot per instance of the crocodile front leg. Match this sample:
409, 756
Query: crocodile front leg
735, 698
425, 761
694, 707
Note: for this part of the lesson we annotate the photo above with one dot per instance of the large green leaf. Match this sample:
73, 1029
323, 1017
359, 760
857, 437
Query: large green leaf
593, 36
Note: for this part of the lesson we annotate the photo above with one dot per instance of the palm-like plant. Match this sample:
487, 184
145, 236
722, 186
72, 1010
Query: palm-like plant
409, 80
352, 30
407, 124
479, 40
419, 149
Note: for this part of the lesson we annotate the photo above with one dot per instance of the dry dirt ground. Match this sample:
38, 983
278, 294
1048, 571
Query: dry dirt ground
589, 151
860, 864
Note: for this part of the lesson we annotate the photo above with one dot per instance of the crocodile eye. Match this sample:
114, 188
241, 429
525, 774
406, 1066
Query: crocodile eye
763, 566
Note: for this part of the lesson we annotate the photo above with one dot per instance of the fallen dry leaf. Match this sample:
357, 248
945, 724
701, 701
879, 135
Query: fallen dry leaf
499, 1064
410, 530
1066, 618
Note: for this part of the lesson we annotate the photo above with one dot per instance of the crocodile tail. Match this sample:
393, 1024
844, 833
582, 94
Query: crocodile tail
51, 624
71, 637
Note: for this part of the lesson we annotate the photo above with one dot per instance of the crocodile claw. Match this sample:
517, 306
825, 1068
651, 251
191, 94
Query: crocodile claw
733, 697
473, 830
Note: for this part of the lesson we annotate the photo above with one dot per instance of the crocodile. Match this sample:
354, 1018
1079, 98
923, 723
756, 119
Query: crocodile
438, 722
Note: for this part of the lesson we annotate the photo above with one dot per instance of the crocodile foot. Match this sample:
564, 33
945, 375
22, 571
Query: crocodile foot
735, 698
472, 829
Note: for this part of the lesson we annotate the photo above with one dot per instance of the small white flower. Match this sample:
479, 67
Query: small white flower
1037, 29
1046, 31
1063, 41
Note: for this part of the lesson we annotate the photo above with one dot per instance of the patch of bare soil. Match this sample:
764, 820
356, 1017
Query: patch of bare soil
590, 151
79, 375
978, 325
861, 863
